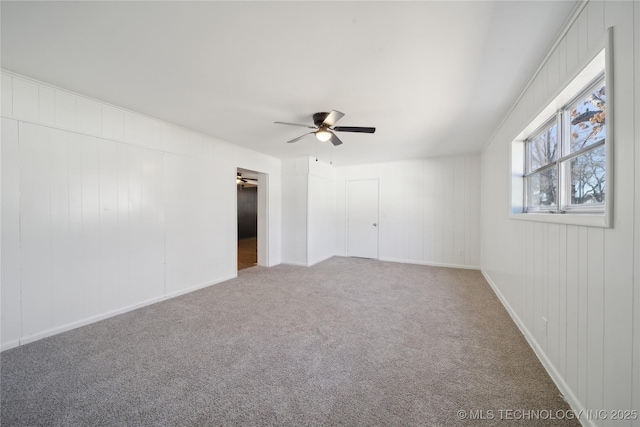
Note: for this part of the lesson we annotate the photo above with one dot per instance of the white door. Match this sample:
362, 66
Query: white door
362, 218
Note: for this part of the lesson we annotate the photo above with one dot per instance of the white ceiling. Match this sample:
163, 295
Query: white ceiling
435, 78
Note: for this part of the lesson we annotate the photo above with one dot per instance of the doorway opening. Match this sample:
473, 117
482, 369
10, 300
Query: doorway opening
247, 191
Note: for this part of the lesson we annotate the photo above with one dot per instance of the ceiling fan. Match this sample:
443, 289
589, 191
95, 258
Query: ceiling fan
245, 181
324, 127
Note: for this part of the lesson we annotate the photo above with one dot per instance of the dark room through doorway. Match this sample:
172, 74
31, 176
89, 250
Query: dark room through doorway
247, 190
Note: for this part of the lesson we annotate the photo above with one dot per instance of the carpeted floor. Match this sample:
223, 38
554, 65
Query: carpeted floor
346, 342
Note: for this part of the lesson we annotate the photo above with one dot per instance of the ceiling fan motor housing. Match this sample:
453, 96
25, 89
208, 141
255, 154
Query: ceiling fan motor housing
318, 118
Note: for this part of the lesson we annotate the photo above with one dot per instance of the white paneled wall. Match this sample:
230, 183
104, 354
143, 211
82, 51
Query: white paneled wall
428, 213
105, 210
580, 279
308, 200
321, 207
295, 191
11, 310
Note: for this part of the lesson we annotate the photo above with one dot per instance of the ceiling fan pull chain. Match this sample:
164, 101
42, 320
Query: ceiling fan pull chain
316, 151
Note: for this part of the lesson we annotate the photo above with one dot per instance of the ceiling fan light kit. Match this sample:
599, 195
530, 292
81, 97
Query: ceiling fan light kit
323, 135
324, 125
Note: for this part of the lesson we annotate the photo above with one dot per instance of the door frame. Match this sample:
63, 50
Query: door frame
263, 217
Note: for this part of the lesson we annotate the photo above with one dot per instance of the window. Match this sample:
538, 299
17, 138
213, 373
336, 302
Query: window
562, 161
565, 160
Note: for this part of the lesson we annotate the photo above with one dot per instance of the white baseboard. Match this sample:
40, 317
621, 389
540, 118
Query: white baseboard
86, 321
83, 322
318, 261
433, 264
562, 385
308, 264
198, 287
299, 264
401, 261
9, 345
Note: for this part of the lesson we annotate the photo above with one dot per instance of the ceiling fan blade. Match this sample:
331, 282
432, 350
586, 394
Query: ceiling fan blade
299, 138
335, 140
295, 124
332, 118
354, 129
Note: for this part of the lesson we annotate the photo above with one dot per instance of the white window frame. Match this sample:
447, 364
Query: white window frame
576, 87
551, 165
562, 121
564, 162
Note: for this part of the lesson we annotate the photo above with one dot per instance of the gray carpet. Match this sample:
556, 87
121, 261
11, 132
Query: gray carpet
346, 342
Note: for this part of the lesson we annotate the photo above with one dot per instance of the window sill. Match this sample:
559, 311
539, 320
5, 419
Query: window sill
586, 220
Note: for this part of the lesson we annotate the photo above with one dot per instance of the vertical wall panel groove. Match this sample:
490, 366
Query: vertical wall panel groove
60, 251
553, 292
635, 370
595, 318
562, 302
11, 297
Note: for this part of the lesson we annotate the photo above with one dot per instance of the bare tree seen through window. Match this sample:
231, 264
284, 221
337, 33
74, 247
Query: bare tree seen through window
588, 127
543, 151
